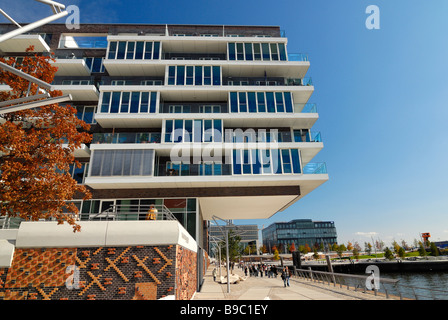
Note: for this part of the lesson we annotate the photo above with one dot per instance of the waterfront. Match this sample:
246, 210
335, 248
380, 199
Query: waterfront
432, 281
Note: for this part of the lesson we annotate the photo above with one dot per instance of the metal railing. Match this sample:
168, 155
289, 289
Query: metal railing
385, 287
134, 212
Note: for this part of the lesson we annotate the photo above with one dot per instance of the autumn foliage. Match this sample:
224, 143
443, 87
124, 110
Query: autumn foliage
36, 149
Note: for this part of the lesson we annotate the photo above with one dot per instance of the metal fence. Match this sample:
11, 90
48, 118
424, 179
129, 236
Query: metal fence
388, 288
134, 212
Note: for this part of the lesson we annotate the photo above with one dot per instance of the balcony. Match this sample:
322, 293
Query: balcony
71, 66
171, 169
82, 90
22, 42
126, 137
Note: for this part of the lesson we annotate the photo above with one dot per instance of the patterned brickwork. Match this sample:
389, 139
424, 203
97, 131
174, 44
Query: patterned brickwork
112, 273
186, 274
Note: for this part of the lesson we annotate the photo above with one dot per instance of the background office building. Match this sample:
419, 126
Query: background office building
196, 120
300, 232
248, 234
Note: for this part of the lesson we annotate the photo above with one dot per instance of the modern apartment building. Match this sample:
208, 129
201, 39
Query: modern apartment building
301, 232
199, 121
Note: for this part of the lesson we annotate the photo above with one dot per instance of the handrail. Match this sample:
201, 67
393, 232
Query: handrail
390, 288
115, 212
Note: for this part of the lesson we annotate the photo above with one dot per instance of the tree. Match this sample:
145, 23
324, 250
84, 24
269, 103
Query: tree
234, 247
421, 249
368, 247
401, 252
37, 149
388, 254
276, 255
341, 248
434, 249
292, 248
349, 246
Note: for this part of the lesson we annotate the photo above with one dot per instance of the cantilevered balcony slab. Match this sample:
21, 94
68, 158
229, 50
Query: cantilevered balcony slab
80, 92
71, 67
230, 120
22, 42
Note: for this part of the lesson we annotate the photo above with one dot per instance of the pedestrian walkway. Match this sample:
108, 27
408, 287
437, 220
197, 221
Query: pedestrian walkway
264, 288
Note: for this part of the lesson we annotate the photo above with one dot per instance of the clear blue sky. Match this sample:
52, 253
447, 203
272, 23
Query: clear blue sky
382, 97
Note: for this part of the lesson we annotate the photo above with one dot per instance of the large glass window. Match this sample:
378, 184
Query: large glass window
134, 50
193, 130
257, 51
266, 161
137, 162
129, 102
198, 75
261, 102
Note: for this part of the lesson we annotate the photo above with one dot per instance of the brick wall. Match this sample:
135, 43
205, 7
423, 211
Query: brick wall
105, 273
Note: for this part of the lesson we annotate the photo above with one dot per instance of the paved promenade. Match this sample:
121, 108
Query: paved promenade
264, 288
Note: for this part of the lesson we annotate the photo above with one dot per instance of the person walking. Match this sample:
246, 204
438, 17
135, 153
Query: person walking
214, 274
285, 276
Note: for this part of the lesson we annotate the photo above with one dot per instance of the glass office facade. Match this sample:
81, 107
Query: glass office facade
301, 232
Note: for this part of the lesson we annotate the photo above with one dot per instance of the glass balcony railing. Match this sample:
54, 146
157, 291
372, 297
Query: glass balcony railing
127, 137
305, 108
299, 82
315, 168
297, 57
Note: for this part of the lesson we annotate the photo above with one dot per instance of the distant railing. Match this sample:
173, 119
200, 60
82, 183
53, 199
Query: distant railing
305, 108
297, 57
213, 169
386, 287
315, 168
134, 212
127, 137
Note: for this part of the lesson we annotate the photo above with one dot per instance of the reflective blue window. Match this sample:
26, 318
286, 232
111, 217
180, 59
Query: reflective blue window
139, 50
217, 126
198, 75
180, 75
148, 50
232, 55
125, 102
121, 49
189, 79
152, 108
115, 102
279, 102
248, 49
261, 102
207, 76
236, 162
105, 102
112, 50
216, 76
286, 161
178, 130
233, 102
135, 101
282, 51
288, 102
144, 103
242, 101
295, 160
156, 50
252, 102
266, 53
168, 130
188, 135
171, 75
130, 51
270, 101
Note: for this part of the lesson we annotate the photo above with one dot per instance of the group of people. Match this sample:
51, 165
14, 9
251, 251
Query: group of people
270, 271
